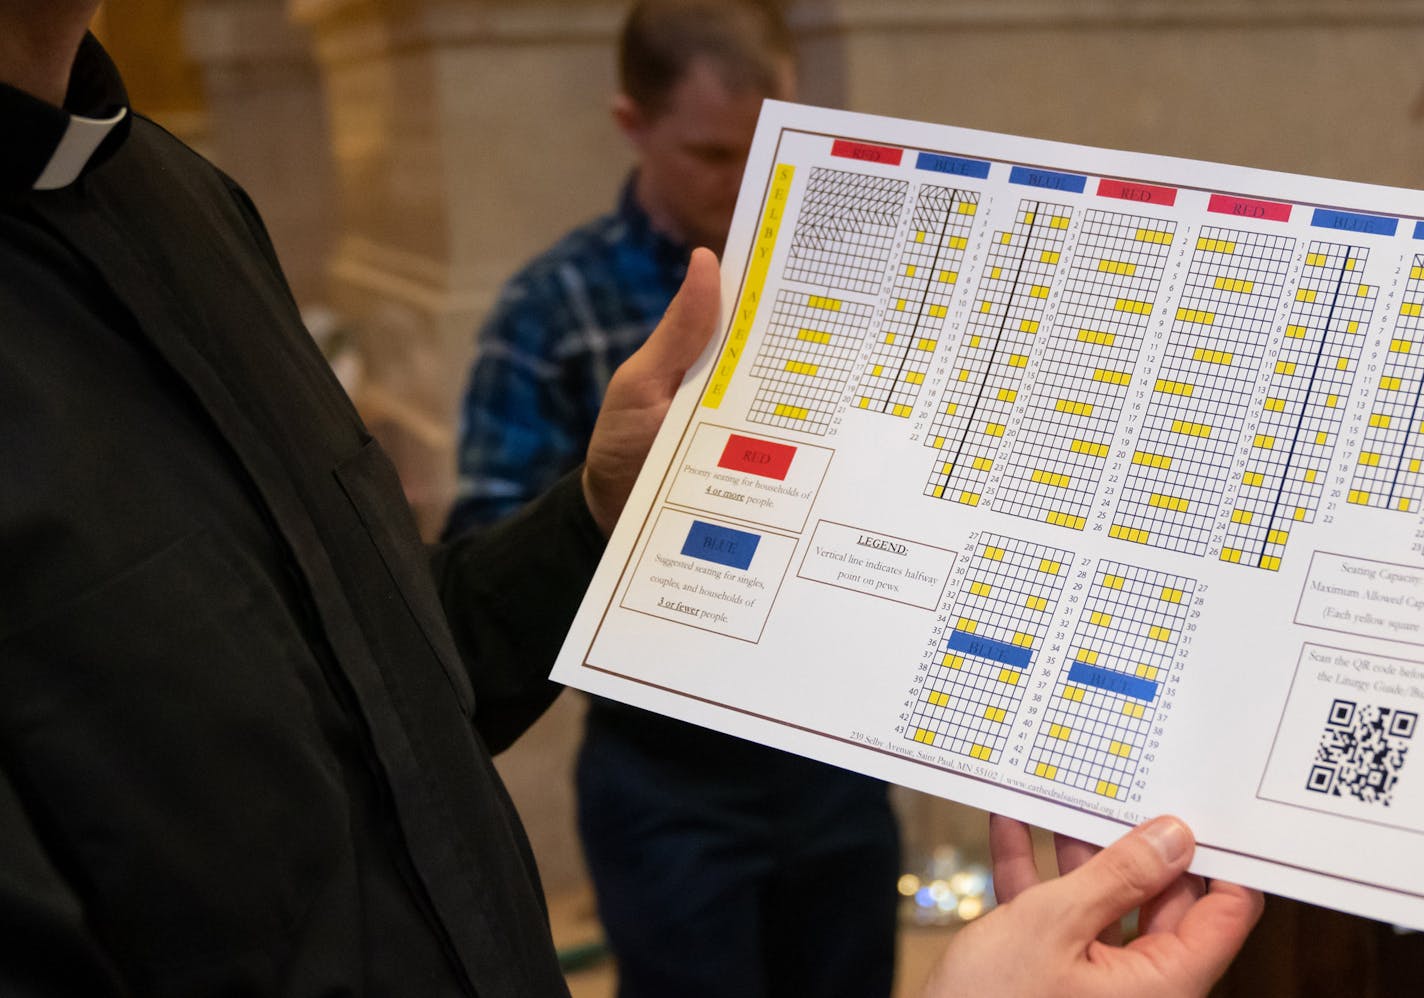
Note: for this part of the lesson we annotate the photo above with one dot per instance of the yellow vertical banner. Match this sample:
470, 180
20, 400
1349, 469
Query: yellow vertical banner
752, 290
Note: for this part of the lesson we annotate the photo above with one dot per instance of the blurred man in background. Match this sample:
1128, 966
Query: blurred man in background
711, 857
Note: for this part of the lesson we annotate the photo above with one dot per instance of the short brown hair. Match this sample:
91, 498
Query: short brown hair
747, 40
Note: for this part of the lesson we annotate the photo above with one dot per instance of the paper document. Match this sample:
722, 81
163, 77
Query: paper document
1068, 483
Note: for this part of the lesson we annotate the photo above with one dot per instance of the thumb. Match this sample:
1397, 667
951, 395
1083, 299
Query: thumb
1134, 869
688, 324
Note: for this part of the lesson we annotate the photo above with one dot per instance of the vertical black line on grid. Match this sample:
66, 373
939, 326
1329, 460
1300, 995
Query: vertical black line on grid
924, 296
998, 339
1404, 440
1304, 405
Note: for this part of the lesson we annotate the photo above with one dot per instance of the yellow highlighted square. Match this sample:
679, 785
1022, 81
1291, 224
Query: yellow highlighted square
1036, 603
1009, 676
1044, 770
1089, 448
1159, 633
995, 714
1174, 503
1190, 429
1074, 693
1134, 709
1234, 285
1050, 567
1114, 581
1126, 533
1112, 377
1213, 356
1170, 595
1060, 519
1074, 408
982, 752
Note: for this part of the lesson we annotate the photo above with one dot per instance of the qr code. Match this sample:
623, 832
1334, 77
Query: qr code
1361, 751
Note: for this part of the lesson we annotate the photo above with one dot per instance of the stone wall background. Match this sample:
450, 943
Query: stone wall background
408, 154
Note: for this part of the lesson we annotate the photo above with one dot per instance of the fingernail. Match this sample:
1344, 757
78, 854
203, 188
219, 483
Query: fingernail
1168, 836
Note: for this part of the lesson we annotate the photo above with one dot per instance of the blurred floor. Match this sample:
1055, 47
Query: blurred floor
576, 926
574, 918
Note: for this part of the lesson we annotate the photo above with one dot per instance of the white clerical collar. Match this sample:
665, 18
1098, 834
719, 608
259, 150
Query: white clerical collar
81, 137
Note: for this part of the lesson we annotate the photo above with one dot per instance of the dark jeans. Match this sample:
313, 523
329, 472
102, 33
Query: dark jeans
723, 868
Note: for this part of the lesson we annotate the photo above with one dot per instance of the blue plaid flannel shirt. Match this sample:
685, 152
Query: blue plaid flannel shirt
561, 326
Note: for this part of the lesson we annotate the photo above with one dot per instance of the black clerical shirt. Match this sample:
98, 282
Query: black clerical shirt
243, 748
